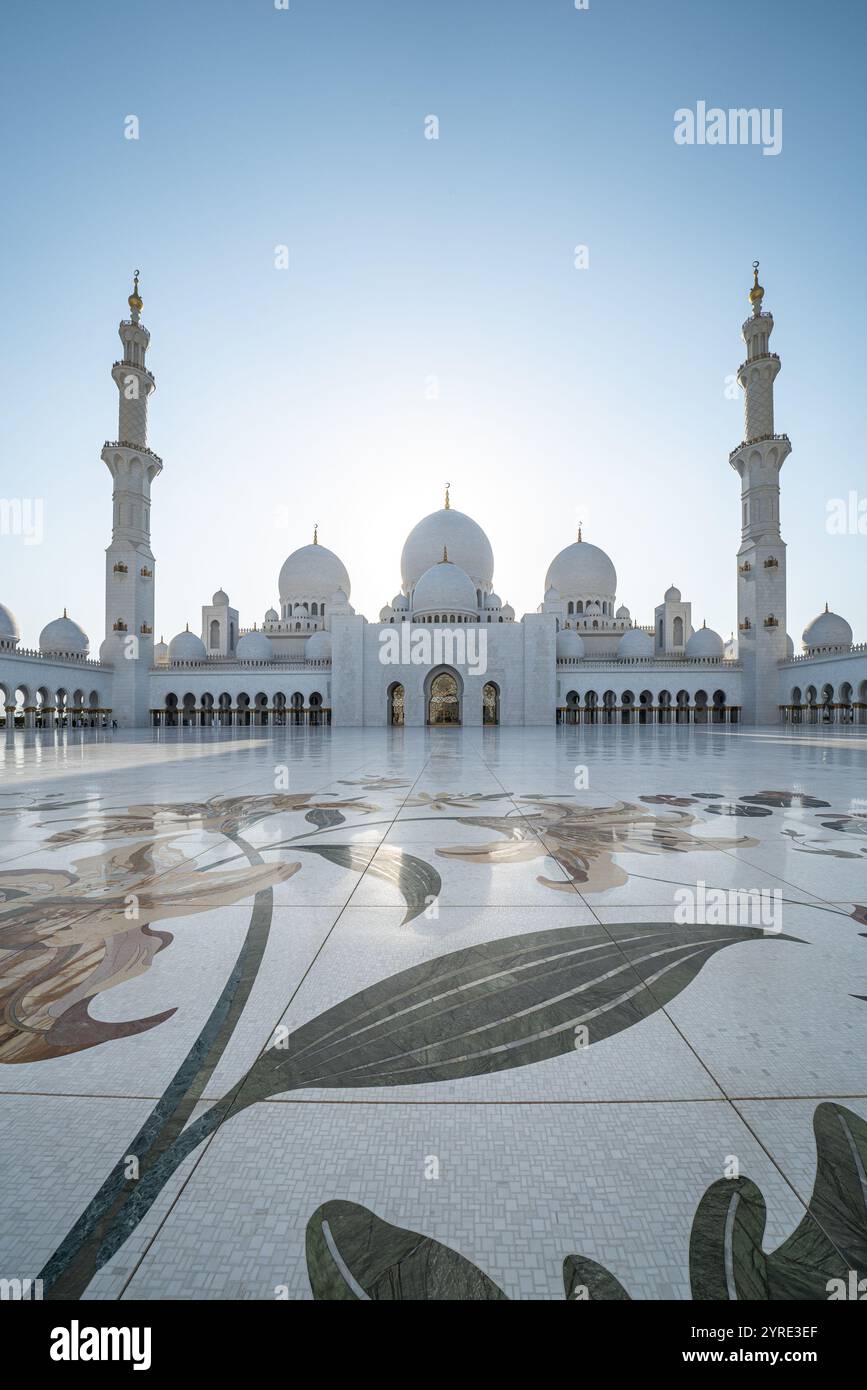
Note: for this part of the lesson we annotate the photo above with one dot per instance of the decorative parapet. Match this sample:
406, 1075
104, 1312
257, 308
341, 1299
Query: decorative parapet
224, 663
819, 654
33, 654
618, 663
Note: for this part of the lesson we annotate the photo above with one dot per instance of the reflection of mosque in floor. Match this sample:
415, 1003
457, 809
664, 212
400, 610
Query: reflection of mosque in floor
581, 657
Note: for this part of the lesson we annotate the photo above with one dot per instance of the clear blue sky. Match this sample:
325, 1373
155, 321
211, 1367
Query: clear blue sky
301, 395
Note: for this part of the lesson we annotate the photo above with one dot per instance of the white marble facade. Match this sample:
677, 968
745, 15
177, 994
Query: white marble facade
447, 648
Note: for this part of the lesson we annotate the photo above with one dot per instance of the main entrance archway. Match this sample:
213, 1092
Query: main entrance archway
444, 699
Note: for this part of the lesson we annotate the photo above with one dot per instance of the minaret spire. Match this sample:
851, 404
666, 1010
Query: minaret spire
762, 554
129, 574
448, 503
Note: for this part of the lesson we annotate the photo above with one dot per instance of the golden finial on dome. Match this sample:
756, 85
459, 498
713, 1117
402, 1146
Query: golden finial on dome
135, 300
448, 503
580, 524
445, 559
316, 533
757, 293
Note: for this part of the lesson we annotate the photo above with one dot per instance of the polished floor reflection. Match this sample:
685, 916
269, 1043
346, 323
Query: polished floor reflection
434, 1013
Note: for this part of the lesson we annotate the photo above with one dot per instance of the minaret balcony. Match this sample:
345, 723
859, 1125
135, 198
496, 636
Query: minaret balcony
760, 439
141, 449
146, 630
759, 357
126, 365
121, 568
772, 563
119, 626
745, 567
146, 573
745, 626
771, 621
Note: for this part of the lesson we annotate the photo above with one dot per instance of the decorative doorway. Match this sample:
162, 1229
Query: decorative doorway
491, 703
395, 703
444, 701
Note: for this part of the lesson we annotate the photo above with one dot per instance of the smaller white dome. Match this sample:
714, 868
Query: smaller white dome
704, 642
569, 646
731, 648
63, 637
187, 646
318, 647
593, 608
254, 646
445, 588
111, 649
400, 603
507, 613
552, 595
827, 630
161, 653
220, 599
672, 595
790, 646
623, 612
9, 629
635, 642
493, 600
272, 616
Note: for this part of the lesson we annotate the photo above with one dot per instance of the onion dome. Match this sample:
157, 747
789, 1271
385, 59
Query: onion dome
10, 632
161, 653
468, 547
704, 642
623, 613
582, 570
569, 645
63, 637
220, 599
757, 292
254, 646
313, 572
318, 647
445, 588
507, 613
827, 631
272, 616
635, 642
187, 646
672, 595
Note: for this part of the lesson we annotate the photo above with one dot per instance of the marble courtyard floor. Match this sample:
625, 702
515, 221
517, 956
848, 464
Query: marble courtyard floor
282, 1010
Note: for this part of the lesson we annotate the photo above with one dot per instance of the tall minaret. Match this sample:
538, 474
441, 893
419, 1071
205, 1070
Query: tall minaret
129, 562
762, 555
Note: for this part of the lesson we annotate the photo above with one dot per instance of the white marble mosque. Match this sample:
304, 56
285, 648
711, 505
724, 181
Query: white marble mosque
447, 649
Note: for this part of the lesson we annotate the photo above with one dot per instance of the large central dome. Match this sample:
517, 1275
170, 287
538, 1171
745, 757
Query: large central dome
467, 545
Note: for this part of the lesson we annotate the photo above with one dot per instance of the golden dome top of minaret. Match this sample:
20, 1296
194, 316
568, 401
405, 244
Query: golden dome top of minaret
135, 299
757, 293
